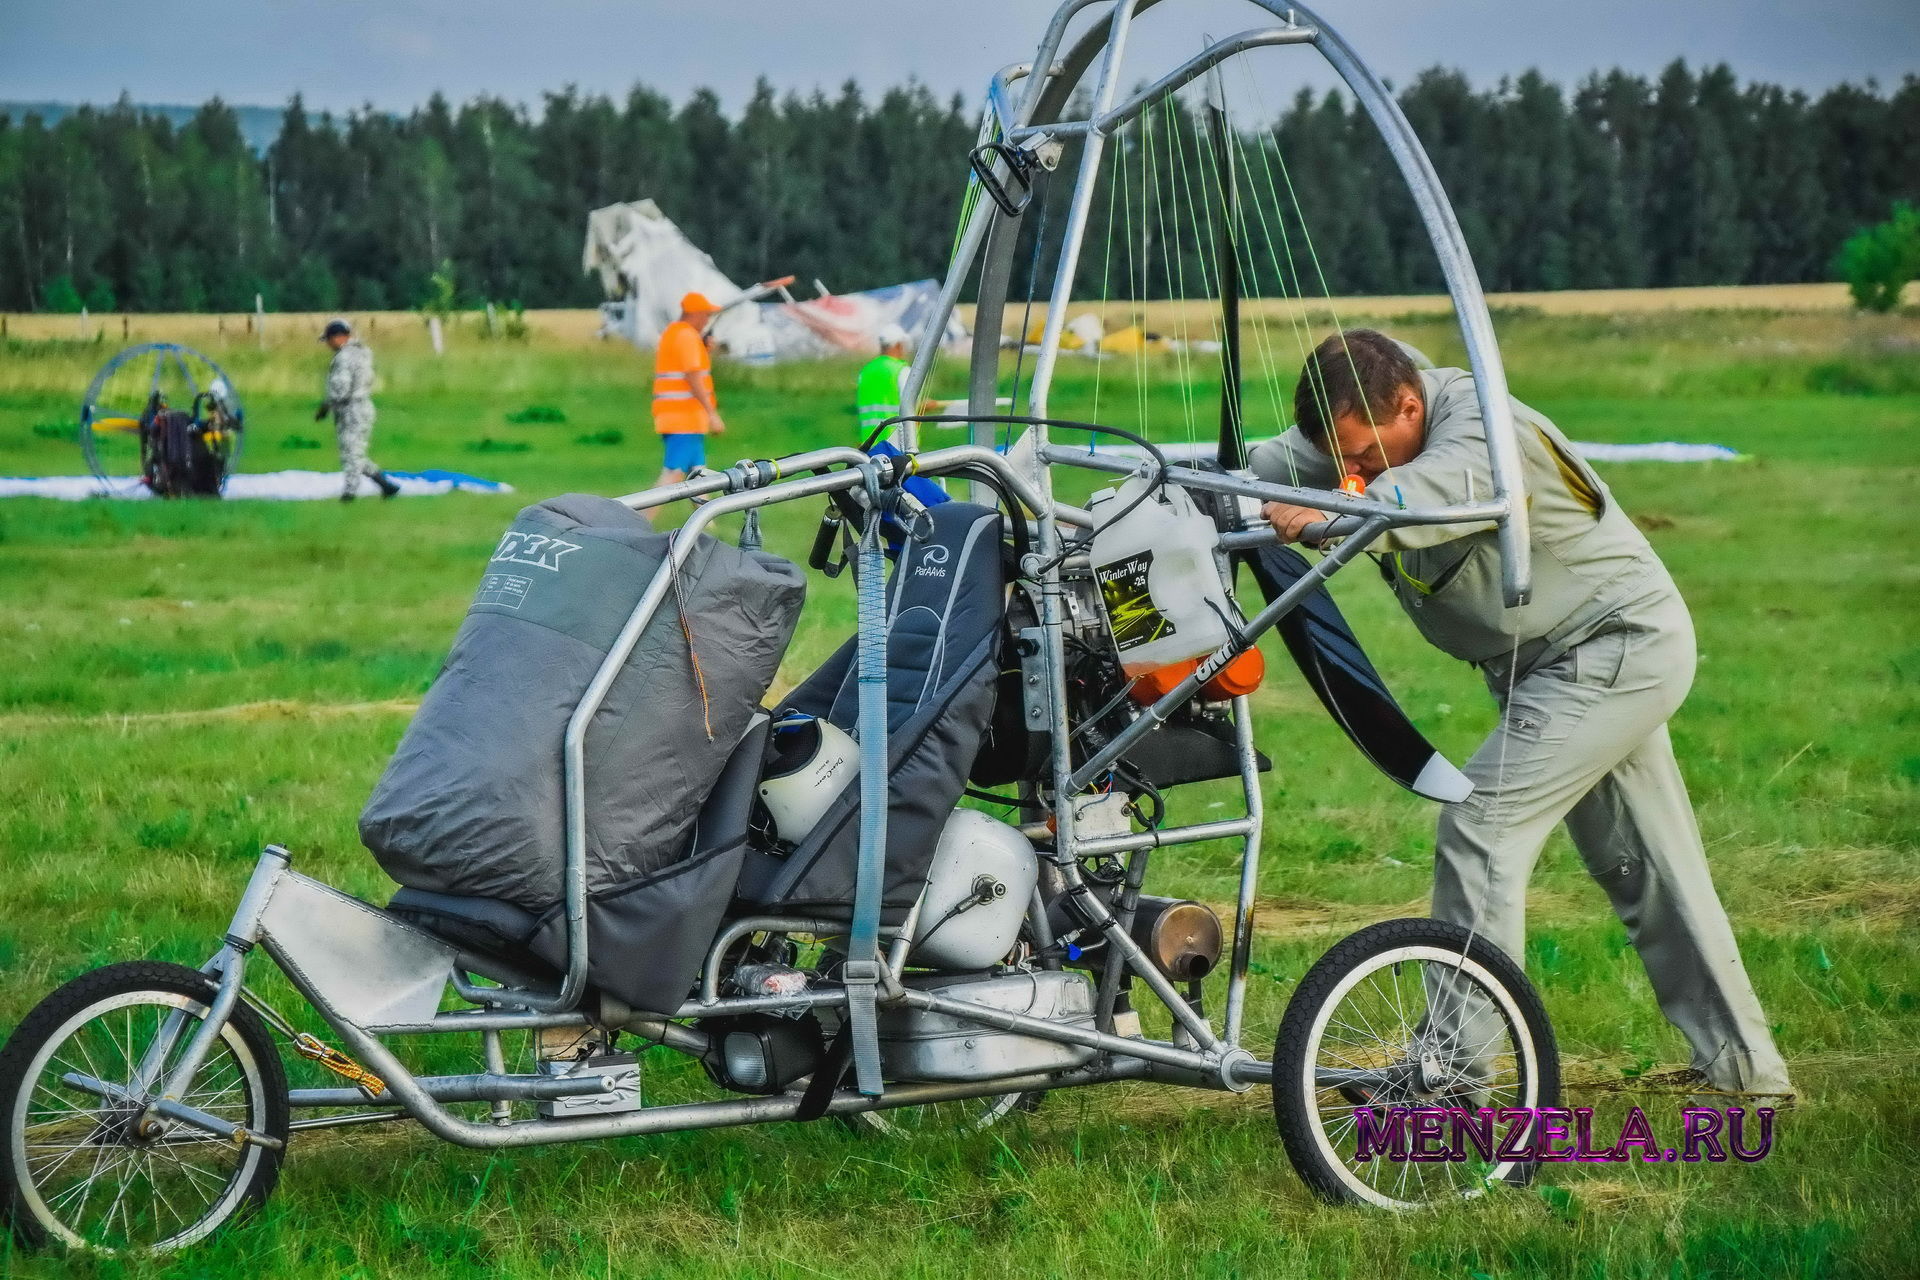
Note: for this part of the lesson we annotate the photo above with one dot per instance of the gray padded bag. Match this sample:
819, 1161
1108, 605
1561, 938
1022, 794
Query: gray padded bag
471, 803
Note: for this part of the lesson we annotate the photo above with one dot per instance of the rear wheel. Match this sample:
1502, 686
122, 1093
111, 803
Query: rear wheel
1412, 1014
90, 1167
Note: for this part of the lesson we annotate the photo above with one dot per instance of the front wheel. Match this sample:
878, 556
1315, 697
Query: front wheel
1409, 1016
91, 1167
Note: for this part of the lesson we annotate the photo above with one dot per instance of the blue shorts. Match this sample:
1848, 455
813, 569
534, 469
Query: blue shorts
685, 451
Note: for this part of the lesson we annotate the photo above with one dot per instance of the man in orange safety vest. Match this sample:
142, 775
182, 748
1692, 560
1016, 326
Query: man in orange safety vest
684, 408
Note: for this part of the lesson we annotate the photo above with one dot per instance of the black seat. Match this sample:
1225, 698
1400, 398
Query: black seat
485, 928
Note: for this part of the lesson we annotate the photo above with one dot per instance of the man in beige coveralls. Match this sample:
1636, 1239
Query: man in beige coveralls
1587, 675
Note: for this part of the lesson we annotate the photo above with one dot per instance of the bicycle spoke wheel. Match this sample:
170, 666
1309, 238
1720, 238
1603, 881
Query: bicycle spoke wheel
962, 1115
86, 1163
1408, 1015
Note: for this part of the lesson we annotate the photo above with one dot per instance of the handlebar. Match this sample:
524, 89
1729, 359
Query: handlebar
1317, 532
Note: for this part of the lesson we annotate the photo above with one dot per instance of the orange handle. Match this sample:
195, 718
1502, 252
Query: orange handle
1161, 681
1238, 678
1242, 675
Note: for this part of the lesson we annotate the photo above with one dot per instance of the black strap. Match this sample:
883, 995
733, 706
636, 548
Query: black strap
827, 1077
1016, 521
1021, 165
826, 541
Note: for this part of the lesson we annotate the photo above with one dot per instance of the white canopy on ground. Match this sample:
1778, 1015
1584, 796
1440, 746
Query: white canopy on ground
286, 486
1658, 451
1661, 451
646, 263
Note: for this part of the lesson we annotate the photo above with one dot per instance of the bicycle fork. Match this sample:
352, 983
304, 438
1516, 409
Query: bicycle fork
228, 969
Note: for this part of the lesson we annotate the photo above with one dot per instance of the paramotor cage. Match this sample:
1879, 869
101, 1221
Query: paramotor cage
1033, 120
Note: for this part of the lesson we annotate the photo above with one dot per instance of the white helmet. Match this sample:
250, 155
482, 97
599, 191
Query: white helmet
809, 764
892, 335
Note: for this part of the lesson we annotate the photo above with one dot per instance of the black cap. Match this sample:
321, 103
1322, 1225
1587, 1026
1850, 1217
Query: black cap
335, 329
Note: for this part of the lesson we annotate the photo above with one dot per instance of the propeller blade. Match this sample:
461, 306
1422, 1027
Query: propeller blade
1338, 671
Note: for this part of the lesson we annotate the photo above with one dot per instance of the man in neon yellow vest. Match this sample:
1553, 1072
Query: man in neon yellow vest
877, 398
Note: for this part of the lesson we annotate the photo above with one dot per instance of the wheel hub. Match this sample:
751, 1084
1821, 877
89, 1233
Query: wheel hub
146, 1128
1430, 1076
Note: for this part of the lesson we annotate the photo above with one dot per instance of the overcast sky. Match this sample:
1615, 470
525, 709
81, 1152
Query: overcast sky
393, 53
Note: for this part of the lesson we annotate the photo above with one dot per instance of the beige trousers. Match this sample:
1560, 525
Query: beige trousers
1583, 739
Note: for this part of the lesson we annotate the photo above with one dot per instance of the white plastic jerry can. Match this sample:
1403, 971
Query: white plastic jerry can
1159, 585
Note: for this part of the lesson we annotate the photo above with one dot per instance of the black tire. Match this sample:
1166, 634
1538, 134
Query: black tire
1297, 1095
61, 1020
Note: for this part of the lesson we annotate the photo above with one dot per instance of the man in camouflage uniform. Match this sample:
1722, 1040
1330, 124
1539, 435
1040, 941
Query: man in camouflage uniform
350, 401
1586, 675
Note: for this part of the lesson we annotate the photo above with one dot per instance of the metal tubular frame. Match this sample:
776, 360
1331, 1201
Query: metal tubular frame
1241, 959
1085, 183
1198, 1056
1299, 25
1179, 77
573, 750
1040, 72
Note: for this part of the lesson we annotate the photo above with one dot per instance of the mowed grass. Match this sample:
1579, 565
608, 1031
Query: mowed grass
181, 683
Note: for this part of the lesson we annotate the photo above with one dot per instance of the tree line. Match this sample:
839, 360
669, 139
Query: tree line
1688, 178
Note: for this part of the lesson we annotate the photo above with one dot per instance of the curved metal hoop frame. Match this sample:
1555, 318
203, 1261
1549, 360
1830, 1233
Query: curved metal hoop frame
988, 238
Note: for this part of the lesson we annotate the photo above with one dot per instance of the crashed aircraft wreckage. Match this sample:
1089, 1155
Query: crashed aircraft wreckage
645, 264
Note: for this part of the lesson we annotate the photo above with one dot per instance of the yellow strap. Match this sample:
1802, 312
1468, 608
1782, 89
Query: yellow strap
1583, 492
309, 1046
1400, 568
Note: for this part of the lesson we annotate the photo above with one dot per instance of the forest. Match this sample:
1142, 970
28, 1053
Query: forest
1691, 177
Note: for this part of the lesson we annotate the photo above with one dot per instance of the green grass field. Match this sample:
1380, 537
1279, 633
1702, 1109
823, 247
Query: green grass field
181, 683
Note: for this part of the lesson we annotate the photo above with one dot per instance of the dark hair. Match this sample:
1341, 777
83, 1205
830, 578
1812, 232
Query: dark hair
1360, 371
